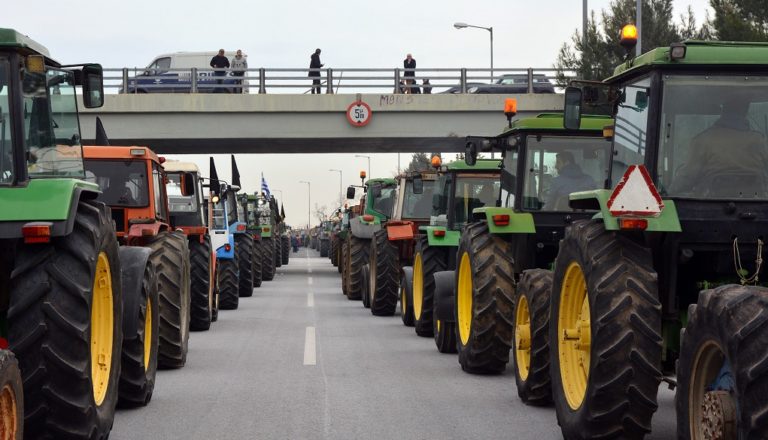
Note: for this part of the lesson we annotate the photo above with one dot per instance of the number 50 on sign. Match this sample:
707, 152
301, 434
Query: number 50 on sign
359, 114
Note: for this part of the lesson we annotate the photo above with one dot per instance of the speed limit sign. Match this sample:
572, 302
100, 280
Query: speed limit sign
359, 114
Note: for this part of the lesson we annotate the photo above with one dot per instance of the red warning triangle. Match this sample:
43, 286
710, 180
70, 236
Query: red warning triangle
635, 195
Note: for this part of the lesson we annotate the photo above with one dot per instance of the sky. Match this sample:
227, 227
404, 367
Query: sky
283, 34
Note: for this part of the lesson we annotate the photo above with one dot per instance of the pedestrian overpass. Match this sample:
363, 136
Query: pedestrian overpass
296, 123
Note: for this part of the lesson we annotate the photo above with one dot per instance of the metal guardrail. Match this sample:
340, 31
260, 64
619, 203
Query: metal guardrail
341, 80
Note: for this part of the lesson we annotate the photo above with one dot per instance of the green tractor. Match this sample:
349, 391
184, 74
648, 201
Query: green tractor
60, 276
324, 238
266, 208
375, 206
459, 190
641, 290
248, 210
506, 252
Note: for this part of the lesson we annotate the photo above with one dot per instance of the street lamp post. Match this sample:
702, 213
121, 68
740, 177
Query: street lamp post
369, 162
341, 199
309, 195
489, 29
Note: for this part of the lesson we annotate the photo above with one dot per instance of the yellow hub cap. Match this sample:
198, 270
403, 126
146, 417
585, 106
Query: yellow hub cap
8, 413
147, 334
464, 301
438, 326
102, 325
574, 336
523, 338
403, 301
418, 286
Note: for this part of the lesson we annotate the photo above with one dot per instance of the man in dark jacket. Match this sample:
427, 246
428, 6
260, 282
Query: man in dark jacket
569, 179
409, 64
219, 62
315, 74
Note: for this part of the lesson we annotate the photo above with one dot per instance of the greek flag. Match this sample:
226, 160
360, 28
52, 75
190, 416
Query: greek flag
265, 187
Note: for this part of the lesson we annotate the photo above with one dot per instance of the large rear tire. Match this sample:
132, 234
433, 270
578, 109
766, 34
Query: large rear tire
484, 304
65, 326
605, 334
278, 252
244, 249
384, 275
286, 248
443, 327
406, 296
139, 357
335, 251
531, 343
721, 375
427, 260
201, 288
365, 292
229, 286
344, 264
258, 249
358, 256
267, 259
11, 397
325, 246
170, 258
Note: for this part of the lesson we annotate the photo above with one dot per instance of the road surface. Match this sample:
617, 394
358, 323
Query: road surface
300, 361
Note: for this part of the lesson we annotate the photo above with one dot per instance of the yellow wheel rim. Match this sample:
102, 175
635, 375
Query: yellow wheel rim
464, 301
707, 364
102, 326
438, 326
403, 301
523, 338
574, 336
8, 412
418, 286
147, 334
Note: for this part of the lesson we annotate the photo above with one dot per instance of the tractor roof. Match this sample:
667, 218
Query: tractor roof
172, 166
130, 153
698, 53
9, 38
381, 180
480, 165
554, 122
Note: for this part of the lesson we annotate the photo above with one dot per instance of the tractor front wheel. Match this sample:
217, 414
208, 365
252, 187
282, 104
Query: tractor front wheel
267, 259
358, 255
406, 296
721, 375
384, 275
256, 260
605, 334
484, 300
244, 249
229, 298
531, 348
201, 288
427, 260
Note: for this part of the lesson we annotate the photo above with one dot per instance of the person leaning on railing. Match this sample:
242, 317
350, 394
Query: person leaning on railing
239, 66
219, 62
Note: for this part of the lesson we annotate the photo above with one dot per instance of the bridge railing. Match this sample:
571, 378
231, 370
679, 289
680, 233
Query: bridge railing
335, 80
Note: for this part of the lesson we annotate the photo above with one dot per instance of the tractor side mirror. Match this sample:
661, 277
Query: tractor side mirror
350, 192
641, 100
93, 86
187, 184
470, 154
418, 185
572, 113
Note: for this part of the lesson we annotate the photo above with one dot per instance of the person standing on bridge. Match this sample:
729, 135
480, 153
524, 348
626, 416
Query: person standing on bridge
314, 71
239, 66
409, 65
219, 62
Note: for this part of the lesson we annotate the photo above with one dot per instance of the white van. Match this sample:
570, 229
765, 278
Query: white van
171, 73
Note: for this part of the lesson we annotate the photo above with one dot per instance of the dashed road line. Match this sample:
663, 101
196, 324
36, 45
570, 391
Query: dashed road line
309, 281
310, 299
310, 352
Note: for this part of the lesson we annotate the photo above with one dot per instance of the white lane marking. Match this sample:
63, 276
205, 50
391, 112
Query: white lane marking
309, 270
309, 281
310, 354
310, 299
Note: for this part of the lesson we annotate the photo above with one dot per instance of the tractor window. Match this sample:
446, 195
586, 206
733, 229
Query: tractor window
713, 134
631, 125
6, 149
122, 182
252, 213
418, 205
558, 166
177, 202
231, 201
219, 219
439, 215
509, 179
385, 203
473, 192
158, 187
51, 124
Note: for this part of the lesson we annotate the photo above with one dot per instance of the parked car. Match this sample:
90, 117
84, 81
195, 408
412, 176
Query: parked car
172, 73
514, 83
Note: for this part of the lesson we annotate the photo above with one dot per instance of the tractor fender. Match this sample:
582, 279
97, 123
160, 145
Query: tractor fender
137, 230
364, 230
133, 261
667, 221
444, 295
518, 222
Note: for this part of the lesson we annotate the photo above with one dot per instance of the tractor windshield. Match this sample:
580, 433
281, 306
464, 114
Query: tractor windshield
558, 165
384, 203
712, 140
177, 202
265, 213
418, 205
251, 208
473, 192
122, 182
51, 126
6, 151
